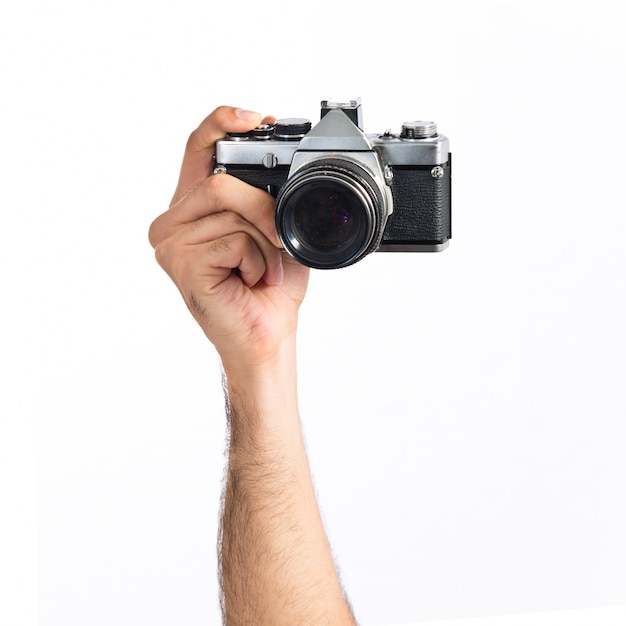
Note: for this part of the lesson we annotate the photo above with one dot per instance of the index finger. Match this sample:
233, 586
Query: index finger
217, 194
198, 158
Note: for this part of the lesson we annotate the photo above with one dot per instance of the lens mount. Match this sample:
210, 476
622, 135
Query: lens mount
331, 214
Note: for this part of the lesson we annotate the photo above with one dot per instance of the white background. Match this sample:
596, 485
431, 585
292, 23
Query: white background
464, 412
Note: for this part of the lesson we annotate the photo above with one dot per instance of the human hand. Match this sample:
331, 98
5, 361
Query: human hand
218, 243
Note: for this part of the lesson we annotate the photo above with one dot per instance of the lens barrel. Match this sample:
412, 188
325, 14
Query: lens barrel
331, 214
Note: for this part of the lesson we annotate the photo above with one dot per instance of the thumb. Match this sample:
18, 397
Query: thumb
198, 157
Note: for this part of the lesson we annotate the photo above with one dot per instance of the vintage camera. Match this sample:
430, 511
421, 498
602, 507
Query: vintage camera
341, 193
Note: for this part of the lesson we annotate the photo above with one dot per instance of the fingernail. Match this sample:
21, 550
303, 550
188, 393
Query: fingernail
278, 279
248, 116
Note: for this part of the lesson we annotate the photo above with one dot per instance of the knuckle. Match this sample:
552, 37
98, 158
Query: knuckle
161, 254
218, 118
182, 267
173, 258
223, 245
230, 249
194, 139
241, 240
215, 189
222, 111
154, 233
217, 183
221, 116
223, 221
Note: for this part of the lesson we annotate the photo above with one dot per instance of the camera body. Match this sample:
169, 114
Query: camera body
341, 193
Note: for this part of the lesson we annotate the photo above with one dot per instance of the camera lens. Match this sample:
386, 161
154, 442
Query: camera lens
329, 215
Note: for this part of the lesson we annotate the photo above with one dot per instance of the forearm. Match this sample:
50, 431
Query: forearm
218, 243
276, 564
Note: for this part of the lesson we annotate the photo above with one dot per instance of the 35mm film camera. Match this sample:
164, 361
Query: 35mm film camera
341, 193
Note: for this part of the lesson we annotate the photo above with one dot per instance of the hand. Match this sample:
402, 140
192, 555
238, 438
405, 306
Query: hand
219, 245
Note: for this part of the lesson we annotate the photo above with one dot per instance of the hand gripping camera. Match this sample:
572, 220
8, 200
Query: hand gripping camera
341, 193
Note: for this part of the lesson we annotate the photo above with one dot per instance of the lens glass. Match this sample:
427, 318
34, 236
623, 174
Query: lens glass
326, 222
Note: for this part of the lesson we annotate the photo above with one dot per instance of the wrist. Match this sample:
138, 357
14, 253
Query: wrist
261, 366
262, 396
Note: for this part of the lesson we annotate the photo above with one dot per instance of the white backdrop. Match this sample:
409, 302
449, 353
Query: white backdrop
464, 412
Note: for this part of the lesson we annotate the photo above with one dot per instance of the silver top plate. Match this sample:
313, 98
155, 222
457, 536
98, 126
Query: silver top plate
392, 149
334, 133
